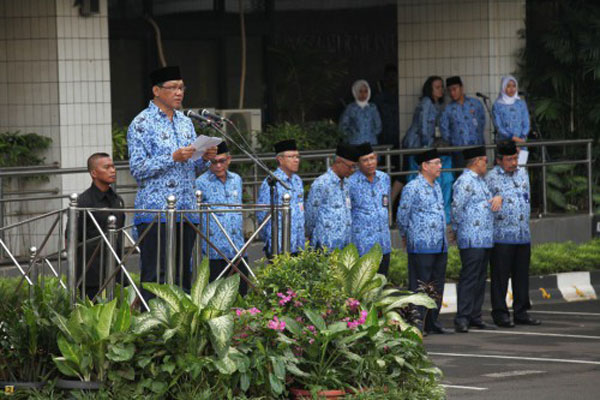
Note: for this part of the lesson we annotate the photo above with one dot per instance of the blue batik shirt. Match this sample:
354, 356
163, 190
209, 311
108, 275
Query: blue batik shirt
463, 124
421, 218
152, 138
297, 237
216, 191
511, 120
511, 223
472, 216
422, 130
328, 212
360, 125
370, 216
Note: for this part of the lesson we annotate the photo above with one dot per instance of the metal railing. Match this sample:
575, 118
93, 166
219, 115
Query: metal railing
254, 180
112, 257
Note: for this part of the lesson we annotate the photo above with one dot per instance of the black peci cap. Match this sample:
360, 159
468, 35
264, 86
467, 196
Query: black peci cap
285, 145
427, 155
473, 152
364, 149
222, 148
506, 148
347, 151
165, 74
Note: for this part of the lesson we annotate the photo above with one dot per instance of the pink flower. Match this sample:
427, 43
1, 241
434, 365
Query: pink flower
353, 304
354, 324
239, 312
276, 324
299, 319
312, 328
254, 311
311, 340
298, 303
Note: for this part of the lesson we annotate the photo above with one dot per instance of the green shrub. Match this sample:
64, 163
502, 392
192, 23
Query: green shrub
546, 258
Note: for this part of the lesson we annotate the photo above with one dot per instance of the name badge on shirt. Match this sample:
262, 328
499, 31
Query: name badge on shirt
301, 207
385, 201
235, 193
475, 123
348, 203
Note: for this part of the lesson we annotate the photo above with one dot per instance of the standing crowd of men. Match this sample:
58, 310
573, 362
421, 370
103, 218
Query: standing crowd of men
347, 204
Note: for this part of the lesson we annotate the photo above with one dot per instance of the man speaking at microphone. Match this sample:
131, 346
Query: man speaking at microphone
160, 149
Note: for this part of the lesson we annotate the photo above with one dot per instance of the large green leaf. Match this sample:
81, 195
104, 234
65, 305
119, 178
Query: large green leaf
226, 365
417, 299
221, 331
201, 281
160, 310
275, 383
225, 294
70, 351
105, 319
61, 323
292, 326
316, 319
208, 293
164, 292
120, 352
145, 323
123, 320
348, 256
66, 367
363, 272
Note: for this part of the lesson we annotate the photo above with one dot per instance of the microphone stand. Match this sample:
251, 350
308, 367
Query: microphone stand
493, 129
272, 180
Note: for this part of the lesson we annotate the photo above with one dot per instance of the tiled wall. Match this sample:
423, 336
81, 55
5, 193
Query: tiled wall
54, 81
476, 39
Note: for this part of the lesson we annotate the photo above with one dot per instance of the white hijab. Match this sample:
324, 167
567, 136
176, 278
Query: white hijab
503, 98
356, 87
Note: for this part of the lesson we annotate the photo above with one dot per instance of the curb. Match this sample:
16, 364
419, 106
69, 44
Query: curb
547, 289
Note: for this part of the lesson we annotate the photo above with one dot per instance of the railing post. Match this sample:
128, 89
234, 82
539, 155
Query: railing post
111, 264
589, 173
544, 198
170, 245
198, 254
33, 270
72, 248
1, 216
286, 224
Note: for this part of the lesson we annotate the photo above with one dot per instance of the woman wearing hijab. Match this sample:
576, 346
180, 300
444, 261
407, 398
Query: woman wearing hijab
423, 133
510, 113
360, 121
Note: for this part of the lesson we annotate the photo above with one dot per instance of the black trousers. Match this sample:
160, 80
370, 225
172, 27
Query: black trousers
429, 269
218, 265
510, 261
384, 265
471, 285
149, 255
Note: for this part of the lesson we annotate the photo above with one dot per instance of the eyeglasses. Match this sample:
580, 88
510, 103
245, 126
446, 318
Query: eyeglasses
218, 162
174, 88
293, 156
434, 162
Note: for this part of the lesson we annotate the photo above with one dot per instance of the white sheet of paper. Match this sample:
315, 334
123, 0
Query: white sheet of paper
202, 143
523, 156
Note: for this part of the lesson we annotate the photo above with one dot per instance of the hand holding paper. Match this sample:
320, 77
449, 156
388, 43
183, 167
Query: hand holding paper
202, 143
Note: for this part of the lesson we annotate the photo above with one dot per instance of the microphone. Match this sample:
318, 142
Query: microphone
483, 96
196, 116
207, 114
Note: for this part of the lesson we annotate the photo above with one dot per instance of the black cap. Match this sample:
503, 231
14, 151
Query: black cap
473, 152
453, 80
222, 148
165, 74
506, 148
427, 155
285, 145
364, 149
347, 151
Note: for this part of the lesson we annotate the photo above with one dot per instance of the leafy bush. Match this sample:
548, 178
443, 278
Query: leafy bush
546, 258
119, 143
18, 149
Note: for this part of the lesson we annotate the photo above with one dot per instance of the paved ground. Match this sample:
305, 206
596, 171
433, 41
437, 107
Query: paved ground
558, 360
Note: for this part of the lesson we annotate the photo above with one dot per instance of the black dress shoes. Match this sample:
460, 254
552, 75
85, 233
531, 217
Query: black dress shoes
461, 328
527, 321
480, 325
505, 323
439, 331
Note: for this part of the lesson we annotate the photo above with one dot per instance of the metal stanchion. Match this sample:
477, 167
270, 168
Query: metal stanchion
198, 253
72, 248
170, 241
111, 235
286, 224
33, 270
589, 176
544, 199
